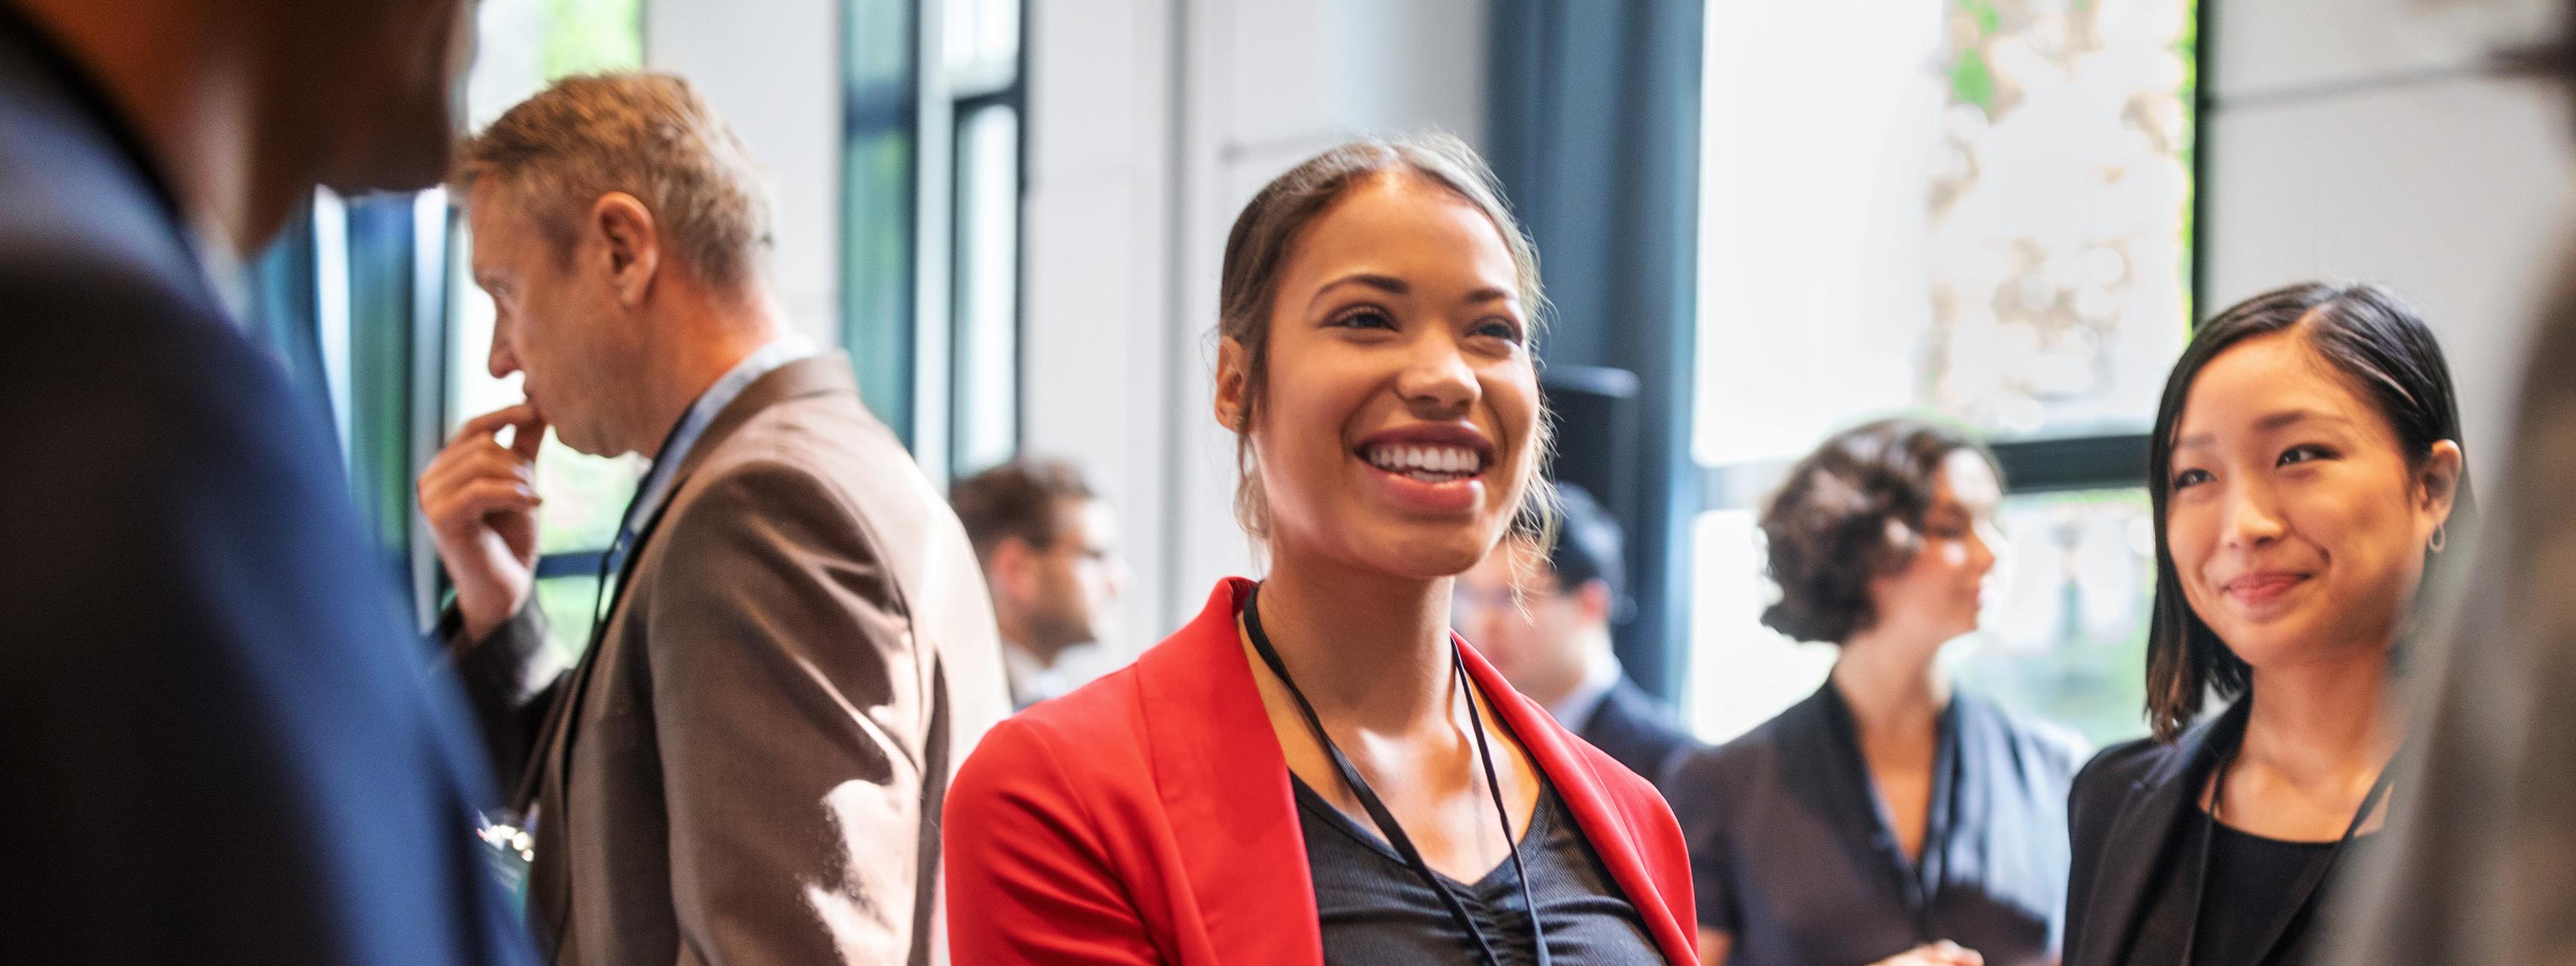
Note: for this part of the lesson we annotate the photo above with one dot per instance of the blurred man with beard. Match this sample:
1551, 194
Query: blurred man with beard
1049, 550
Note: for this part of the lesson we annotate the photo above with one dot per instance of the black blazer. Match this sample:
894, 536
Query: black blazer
1631, 726
2128, 805
222, 745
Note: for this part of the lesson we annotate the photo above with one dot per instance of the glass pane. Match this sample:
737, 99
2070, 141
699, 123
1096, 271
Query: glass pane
526, 44
589, 36
2067, 637
1974, 208
1742, 673
982, 43
521, 45
877, 212
2064, 636
987, 300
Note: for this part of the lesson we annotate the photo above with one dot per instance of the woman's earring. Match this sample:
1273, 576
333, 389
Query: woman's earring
2441, 538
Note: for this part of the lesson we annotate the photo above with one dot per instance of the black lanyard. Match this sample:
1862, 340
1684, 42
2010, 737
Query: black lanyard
1386, 823
2306, 894
576, 681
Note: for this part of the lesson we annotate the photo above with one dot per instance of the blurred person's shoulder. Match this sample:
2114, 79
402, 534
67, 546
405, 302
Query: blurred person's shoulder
116, 346
806, 419
80, 220
2051, 750
2105, 782
121, 373
1707, 784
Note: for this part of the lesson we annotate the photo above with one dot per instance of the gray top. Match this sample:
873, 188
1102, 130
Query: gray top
1791, 851
1374, 909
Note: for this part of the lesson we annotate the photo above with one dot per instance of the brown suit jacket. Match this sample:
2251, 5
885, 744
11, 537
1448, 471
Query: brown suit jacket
748, 764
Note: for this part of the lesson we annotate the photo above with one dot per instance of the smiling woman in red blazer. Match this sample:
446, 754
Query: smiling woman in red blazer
1315, 769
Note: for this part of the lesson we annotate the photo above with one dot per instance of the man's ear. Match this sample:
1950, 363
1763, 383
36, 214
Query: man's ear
631, 243
1595, 600
1010, 568
1232, 376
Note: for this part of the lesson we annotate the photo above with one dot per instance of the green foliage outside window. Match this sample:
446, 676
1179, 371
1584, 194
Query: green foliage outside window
589, 36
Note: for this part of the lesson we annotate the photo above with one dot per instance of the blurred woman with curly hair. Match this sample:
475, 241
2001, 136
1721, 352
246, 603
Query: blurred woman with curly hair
1890, 818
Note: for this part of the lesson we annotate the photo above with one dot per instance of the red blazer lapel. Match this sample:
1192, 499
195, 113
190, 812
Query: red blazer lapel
1606, 821
1223, 786
1224, 789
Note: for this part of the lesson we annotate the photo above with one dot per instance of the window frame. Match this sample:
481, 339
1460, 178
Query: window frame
902, 322
2047, 464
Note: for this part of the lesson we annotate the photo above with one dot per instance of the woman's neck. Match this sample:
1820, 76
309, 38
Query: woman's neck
2325, 724
1364, 647
1892, 685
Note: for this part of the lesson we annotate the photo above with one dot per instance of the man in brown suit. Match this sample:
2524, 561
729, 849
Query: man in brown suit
747, 764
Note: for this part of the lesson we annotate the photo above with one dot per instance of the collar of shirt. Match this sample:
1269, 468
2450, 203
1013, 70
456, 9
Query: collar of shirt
1575, 710
656, 486
1032, 681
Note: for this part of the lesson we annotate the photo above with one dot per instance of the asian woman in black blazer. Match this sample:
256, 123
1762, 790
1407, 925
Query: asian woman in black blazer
2306, 474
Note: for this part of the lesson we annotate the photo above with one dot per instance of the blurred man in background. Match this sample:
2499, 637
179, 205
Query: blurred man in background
1543, 616
748, 763
1049, 550
221, 744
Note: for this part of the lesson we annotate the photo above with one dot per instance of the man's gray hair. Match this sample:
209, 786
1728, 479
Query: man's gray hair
648, 135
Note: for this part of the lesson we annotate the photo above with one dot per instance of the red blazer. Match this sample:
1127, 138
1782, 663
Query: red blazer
1148, 818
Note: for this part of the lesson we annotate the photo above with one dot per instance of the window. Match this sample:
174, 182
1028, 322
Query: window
524, 45
340, 298
984, 79
368, 306
931, 242
1975, 210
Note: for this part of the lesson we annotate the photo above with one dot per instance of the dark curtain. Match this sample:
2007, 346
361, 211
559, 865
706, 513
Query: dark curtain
1595, 133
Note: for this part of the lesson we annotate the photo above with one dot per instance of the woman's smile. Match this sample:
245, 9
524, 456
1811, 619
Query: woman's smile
1431, 468
2263, 593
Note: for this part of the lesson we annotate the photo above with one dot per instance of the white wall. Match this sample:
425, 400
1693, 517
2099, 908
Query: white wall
1152, 121
773, 71
2360, 140
2350, 139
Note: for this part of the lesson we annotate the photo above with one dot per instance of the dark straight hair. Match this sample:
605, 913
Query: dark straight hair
2370, 337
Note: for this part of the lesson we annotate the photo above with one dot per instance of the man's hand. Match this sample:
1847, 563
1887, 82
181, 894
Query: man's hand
480, 498
1943, 953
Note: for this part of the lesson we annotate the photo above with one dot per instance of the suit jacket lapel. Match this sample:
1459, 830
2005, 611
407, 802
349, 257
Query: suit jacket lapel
2157, 804
549, 885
